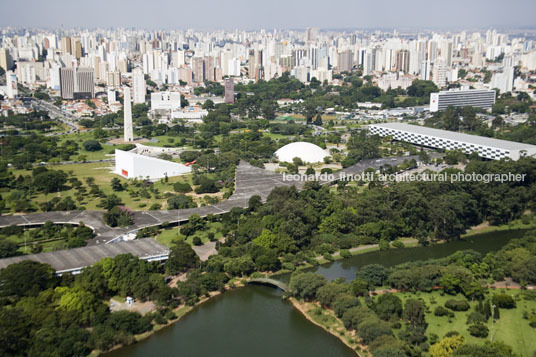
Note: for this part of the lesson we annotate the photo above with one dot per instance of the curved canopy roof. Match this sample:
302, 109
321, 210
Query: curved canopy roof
308, 152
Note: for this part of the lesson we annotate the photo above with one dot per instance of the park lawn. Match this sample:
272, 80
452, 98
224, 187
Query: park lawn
275, 136
103, 175
516, 224
286, 118
107, 152
80, 138
163, 140
329, 117
511, 328
168, 236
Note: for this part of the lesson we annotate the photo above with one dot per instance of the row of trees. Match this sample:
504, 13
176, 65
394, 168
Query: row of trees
298, 226
391, 326
45, 315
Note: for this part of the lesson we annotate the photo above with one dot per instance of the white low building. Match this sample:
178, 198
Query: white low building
131, 165
488, 148
165, 101
307, 152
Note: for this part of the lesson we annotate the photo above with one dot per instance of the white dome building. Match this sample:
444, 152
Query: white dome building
307, 152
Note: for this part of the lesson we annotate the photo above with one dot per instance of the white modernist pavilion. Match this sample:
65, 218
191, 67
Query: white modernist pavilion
488, 148
131, 165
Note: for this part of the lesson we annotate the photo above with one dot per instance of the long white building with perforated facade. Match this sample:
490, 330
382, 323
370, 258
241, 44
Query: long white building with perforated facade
488, 148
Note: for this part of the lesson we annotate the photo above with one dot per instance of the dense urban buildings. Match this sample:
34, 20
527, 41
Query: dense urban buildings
114, 139
62, 60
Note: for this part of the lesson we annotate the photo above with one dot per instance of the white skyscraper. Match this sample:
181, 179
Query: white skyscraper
425, 70
11, 82
127, 118
138, 86
440, 73
504, 81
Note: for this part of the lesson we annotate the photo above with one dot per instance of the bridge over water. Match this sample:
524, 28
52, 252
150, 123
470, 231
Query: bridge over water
270, 282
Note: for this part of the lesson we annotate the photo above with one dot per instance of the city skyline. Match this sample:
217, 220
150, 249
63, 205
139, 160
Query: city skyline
240, 14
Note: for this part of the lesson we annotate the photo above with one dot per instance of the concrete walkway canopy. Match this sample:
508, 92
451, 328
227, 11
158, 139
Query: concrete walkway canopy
74, 260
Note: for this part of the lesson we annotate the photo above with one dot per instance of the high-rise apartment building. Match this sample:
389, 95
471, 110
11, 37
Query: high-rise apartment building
66, 45
440, 73
402, 61
229, 91
114, 79
198, 69
6, 62
345, 61
251, 65
11, 83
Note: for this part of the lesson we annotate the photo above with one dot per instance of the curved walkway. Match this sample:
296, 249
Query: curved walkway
249, 181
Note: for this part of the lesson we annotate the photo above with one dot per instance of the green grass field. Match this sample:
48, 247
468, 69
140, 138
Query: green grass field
80, 138
103, 175
168, 236
163, 140
511, 328
516, 224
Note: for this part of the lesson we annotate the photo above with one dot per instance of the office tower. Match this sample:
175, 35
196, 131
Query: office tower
85, 83
198, 69
77, 83
127, 116
6, 62
138, 86
345, 61
229, 91
402, 61
11, 83
67, 83
481, 98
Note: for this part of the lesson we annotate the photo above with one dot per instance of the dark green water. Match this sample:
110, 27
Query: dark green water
483, 243
254, 321
251, 321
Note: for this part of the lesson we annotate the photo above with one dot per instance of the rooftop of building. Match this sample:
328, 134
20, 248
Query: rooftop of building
73, 259
452, 135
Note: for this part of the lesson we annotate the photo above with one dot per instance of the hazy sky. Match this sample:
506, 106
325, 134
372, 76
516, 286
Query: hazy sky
268, 14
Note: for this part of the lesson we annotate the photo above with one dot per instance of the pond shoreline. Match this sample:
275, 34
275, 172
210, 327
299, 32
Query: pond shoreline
156, 328
302, 309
